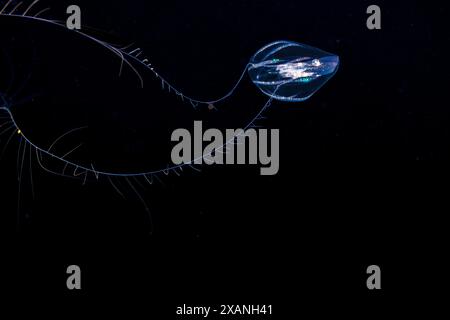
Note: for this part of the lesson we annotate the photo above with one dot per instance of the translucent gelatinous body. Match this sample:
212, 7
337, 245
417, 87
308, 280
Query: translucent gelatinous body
290, 71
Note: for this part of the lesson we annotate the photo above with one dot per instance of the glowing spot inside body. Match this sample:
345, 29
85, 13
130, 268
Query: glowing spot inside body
19, 132
299, 70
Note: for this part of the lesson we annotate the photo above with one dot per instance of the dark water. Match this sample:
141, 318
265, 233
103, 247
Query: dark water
350, 191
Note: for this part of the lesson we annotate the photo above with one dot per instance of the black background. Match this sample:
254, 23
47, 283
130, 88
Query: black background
350, 191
